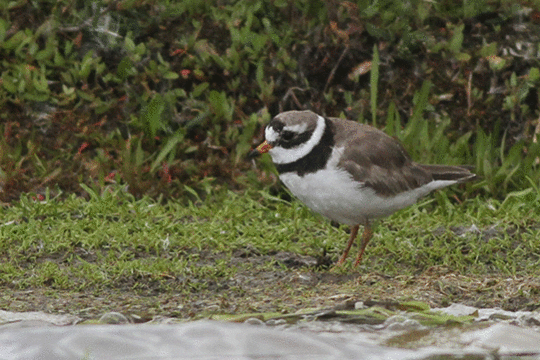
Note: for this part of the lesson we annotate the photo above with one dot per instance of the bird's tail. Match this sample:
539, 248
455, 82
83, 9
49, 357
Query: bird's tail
460, 174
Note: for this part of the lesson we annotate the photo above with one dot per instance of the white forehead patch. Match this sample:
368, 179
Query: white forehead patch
270, 134
284, 156
298, 128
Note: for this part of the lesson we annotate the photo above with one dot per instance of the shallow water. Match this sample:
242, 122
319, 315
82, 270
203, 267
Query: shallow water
492, 334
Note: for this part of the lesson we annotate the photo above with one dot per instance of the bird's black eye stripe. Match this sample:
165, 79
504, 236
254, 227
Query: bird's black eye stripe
295, 140
277, 126
287, 135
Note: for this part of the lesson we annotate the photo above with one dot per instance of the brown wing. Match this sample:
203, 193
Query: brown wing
377, 160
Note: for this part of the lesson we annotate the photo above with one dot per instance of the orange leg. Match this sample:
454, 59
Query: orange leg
366, 236
354, 232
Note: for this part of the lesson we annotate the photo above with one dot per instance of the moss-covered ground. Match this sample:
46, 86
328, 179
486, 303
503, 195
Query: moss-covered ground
253, 252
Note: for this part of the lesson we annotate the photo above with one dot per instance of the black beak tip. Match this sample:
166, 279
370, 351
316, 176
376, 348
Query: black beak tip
253, 154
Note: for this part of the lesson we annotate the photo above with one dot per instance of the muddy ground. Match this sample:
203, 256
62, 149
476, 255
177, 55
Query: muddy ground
293, 283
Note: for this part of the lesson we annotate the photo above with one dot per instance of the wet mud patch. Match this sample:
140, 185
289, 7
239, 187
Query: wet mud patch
278, 282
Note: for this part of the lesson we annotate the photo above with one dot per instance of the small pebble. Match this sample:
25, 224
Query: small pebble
254, 321
113, 318
275, 322
359, 305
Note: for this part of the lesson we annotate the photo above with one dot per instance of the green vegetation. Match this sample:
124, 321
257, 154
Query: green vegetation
166, 97
124, 127
234, 246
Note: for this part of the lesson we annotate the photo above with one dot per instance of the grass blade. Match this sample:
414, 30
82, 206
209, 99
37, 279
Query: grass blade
374, 80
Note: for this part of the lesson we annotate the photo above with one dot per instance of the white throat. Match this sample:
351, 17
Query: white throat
285, 156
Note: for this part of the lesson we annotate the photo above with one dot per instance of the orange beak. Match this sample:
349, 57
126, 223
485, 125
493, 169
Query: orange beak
261, 149
264, 147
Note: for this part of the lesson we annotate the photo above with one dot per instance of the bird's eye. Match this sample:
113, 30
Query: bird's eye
287, 135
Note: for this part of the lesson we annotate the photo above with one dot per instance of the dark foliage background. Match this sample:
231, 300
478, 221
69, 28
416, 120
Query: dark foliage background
167, 97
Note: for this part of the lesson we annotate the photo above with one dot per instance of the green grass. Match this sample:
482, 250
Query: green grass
101, 94
230, 255
167, 107
115, 241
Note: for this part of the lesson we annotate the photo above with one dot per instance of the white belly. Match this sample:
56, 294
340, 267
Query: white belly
333, 194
